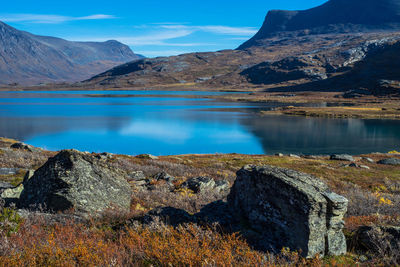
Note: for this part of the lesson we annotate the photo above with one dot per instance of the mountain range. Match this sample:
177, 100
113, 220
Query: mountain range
29, 59
323, 49
333, 47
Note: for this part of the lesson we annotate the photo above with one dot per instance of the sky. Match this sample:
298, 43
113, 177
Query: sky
150, 27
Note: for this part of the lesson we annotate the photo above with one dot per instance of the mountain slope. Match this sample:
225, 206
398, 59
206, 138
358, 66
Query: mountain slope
30, 59
318, 49
335, 16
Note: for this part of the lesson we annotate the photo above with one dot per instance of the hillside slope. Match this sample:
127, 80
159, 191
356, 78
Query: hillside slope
29, 59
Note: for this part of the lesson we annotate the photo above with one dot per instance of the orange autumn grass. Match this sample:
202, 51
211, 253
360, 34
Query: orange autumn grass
190, 245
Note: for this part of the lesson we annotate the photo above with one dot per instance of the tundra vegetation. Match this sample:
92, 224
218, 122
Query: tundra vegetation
372, 220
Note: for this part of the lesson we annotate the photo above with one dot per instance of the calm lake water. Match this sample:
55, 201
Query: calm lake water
167, 123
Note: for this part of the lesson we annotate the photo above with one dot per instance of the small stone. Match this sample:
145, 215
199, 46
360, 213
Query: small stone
136, 176
199, 184
279, 154
368, 159
221, 185
390, 161
342, 157
105, 156
309, 157
164, 176
146, 156
8, 171
364, 167
12, 193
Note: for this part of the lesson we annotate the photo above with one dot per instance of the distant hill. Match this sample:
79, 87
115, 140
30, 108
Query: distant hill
29, 59
335, 16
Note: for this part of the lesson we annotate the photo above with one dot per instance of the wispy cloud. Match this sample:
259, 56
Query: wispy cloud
217, 29
156, 38
50, 19
162, 53
160, 38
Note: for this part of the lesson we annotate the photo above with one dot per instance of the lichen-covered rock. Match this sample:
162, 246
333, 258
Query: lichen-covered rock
378, 239
76, 181
12, 193
290, 209
164, 176
146, 156
199, 184
342, 157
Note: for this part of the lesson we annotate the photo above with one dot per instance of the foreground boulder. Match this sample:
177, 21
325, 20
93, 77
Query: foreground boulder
290, 209
76, 181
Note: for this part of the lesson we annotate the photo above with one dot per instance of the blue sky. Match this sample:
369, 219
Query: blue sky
149, 27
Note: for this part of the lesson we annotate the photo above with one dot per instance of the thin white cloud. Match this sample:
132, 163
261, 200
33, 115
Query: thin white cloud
50, 19
155, 39
162, 53
158, 38
217, 29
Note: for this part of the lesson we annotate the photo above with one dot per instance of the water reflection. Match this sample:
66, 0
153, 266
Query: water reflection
324, 136
169, 124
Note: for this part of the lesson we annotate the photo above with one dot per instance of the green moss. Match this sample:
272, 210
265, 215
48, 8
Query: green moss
10, 221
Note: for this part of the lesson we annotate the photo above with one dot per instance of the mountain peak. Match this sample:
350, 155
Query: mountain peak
335, 16
30, 59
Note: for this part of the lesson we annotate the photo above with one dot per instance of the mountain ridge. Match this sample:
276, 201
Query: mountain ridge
334, 16
29, 59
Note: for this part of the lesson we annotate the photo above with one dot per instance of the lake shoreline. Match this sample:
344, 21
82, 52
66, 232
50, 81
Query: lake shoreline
364, 107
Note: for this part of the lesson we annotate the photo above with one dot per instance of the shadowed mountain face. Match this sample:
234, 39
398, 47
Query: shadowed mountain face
30, 59
335, 16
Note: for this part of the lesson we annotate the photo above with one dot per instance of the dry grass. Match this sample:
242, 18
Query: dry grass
72, 244
374, 198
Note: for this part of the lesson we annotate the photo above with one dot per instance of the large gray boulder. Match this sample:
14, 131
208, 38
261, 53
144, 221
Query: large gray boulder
290, 209
76, 181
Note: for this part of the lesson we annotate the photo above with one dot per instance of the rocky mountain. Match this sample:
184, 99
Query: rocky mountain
294, 50
31, 59
335, 16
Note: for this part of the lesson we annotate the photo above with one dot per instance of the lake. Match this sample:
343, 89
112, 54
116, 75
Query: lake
172, 123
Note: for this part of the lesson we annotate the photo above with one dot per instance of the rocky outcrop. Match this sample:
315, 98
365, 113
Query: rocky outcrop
290, 209
335, 16
288, 69
76, 181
